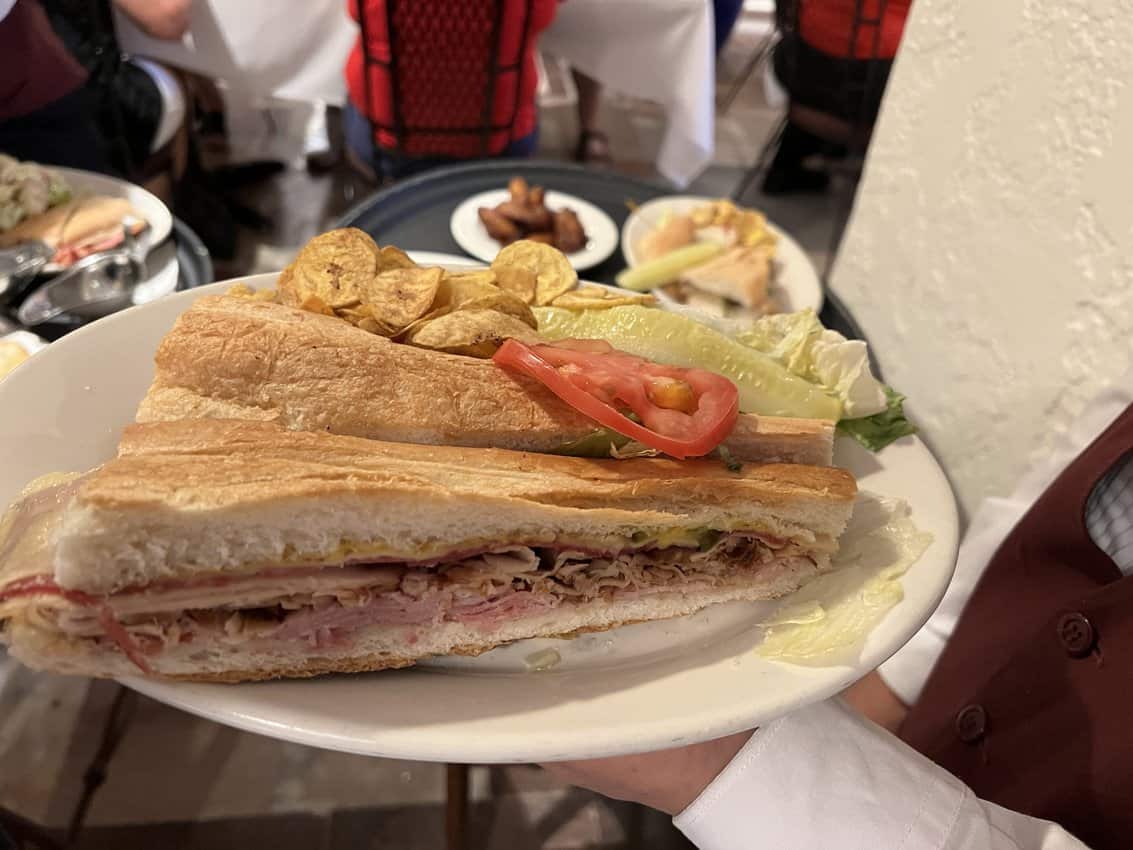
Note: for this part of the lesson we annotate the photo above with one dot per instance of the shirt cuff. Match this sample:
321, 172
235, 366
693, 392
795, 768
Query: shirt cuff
810, 779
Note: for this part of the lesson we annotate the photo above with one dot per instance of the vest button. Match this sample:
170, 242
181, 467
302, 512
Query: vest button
1076, 634
971, 724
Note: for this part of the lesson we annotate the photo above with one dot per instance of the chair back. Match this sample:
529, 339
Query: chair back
452, 69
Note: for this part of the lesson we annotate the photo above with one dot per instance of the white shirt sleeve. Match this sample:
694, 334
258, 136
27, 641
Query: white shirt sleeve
823, 777
6, 7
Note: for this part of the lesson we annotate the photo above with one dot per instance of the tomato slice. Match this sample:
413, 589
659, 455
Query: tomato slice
683, 412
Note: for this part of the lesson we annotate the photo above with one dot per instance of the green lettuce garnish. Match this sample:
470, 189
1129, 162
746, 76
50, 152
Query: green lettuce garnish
879, 430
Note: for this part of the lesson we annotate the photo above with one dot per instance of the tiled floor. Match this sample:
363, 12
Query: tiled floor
180, 782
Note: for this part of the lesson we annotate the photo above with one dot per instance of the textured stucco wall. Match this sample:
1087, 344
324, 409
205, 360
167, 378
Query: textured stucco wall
990, 254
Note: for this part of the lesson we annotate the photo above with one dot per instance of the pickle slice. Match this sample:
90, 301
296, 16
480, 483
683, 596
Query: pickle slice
765, 386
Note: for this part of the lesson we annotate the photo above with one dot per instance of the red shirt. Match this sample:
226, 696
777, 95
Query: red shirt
827, 25
443, 77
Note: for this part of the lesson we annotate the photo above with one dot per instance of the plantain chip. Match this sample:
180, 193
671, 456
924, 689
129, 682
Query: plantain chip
517, 280
600, 298
395, 299
391, 257
457, 289
474, 333
553, 272
333, 267
502, 302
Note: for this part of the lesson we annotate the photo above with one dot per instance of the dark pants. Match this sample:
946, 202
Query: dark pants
62, 133
849, 89
360, 140
726, 13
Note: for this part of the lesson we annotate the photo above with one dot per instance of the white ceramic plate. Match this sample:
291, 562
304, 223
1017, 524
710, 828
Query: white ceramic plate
153, 210
795, 275
640, 687
438, 258
471, 235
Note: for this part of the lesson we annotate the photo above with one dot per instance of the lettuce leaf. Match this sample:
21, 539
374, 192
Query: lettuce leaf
824, 357
879, 430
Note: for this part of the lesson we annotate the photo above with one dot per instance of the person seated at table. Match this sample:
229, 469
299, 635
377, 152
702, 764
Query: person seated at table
593, 145
835, 87
1016, 689
140, 106
68, 98
432, 81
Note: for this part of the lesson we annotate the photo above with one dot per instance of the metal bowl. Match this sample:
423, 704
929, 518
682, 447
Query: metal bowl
93, 287
19, 265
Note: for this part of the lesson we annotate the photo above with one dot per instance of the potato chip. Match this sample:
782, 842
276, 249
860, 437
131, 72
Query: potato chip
475, 333
333, 266
599, 298
396, 298
517, 280
553, 272
391, 257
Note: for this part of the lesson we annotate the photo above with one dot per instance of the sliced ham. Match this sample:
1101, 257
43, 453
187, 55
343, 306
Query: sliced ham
327, 607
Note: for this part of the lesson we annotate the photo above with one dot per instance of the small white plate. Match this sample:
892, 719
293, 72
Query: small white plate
152, 209
794, 276
641, 687
471, 235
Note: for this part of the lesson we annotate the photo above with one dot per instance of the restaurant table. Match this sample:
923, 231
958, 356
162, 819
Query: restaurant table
659, 50
414, 214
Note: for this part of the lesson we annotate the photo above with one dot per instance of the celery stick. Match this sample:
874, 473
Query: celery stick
667, 267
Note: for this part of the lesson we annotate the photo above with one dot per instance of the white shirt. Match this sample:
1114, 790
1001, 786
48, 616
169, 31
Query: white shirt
823, 777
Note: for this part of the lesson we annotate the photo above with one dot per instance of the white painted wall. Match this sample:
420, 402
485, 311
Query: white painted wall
990, 254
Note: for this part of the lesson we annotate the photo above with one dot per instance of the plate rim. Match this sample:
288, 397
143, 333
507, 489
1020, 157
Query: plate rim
466, 209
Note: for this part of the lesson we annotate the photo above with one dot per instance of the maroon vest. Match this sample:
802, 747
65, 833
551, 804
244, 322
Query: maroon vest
35, 67
1031, 703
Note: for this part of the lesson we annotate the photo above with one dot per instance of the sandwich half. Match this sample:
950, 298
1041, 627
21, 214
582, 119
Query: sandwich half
230, 357
230, 551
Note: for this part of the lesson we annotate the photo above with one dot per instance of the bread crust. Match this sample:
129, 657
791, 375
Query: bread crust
193, 498
236, 358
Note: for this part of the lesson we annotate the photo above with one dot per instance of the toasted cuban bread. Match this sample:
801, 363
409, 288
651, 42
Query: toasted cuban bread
225, 496
229, 550
236, 358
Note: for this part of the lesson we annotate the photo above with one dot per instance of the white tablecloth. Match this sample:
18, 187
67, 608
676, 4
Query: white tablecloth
287, 49
661, 50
